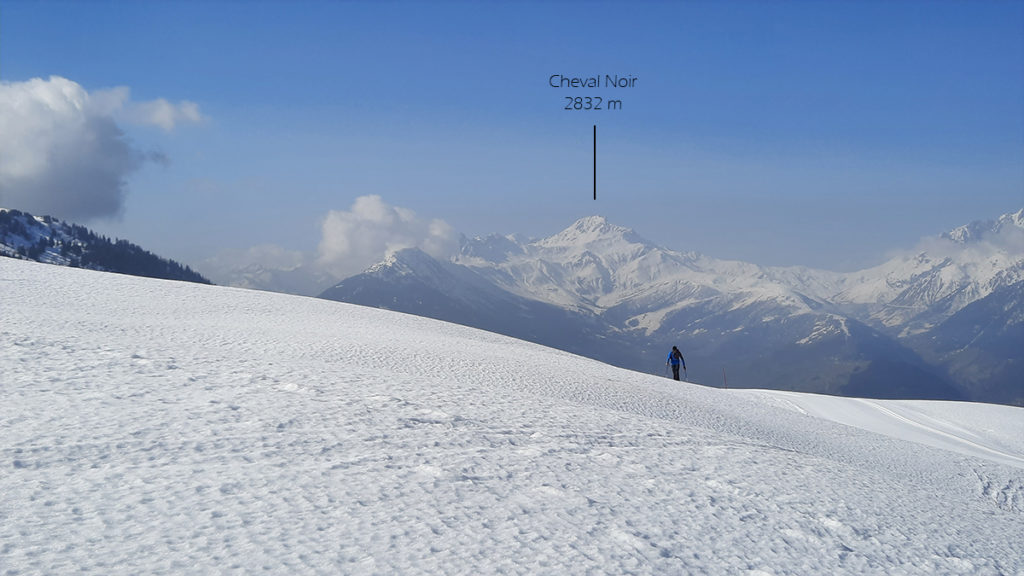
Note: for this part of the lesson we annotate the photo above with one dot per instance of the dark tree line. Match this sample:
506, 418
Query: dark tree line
86, 249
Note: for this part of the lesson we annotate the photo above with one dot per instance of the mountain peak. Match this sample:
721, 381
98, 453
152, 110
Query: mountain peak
592, 229
979, 229
597, 225
1015, 219
404, 261
591, 222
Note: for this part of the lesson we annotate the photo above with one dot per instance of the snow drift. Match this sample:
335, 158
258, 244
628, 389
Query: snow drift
160, 427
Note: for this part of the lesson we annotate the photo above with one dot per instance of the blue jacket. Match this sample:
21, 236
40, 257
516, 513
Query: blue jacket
676, 357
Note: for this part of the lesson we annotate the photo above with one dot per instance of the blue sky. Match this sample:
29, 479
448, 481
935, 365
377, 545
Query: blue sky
815, 133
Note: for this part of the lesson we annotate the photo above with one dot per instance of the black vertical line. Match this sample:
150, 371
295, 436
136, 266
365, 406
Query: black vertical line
595, 161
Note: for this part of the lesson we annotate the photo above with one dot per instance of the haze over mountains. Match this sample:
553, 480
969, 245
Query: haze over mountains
945, 321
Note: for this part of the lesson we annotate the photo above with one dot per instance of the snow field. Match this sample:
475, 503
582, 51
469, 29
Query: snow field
992, 432
159, 427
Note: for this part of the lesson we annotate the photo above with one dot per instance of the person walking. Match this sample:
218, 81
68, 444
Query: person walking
675, 358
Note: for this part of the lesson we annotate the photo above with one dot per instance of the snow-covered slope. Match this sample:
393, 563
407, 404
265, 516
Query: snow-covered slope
159, 427
979, 430
411, 281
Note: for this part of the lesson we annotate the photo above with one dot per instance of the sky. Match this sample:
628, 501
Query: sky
326, 133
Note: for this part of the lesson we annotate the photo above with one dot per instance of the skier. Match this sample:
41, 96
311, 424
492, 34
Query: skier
675, 358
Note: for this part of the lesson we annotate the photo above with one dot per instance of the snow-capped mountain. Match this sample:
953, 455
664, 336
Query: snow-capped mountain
912, 293
792, 328
986, 230
624, 300
982, 345
52, 241
155, 427
413, 282
299, 279
597, 266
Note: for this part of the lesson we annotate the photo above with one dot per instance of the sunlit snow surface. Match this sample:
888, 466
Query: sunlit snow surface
152, 427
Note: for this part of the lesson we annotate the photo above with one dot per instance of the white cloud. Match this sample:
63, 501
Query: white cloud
353, 240
162, 113
985, 243
62, 151
117, 103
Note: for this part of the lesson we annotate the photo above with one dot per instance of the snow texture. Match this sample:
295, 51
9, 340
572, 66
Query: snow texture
155, 427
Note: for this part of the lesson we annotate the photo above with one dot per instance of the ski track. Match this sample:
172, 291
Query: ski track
911, 421
959, 437
164, 428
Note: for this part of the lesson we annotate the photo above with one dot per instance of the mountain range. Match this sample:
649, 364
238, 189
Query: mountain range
942, 322
945, 321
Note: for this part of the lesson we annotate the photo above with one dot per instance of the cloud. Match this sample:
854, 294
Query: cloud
371, 229
62, 151
266, 267
976, 242
117, 103
351, 241
164, 114
269, 256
